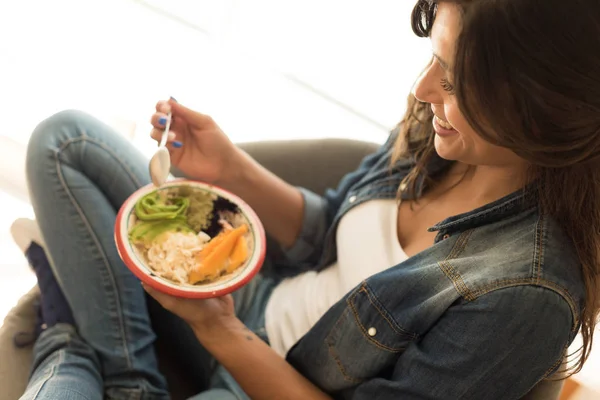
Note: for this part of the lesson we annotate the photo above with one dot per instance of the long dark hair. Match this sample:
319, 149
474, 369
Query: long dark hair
531, 70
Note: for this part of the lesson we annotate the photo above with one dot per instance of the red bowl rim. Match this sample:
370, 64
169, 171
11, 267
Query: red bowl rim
257, 228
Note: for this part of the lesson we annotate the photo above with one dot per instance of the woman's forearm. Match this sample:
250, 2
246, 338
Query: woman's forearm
261, 372
278, 204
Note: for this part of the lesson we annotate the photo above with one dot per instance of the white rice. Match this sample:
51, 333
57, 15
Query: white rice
172, 255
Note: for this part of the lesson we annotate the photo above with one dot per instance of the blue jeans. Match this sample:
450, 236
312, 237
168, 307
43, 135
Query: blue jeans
79, 173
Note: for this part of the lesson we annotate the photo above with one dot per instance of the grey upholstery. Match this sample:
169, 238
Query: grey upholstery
315, 164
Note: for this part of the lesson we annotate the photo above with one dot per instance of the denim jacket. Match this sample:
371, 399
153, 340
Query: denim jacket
485, 313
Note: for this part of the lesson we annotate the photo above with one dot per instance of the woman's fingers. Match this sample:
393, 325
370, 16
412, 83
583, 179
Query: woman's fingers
163, 106
159, 120
183, 114
156, 134
166, 301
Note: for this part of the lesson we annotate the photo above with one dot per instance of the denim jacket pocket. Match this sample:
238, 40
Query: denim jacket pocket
365, 340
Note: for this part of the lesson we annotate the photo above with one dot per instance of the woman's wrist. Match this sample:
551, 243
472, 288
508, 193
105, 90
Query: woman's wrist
239, 167
217, 328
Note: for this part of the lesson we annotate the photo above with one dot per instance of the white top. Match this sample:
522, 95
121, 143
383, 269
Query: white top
367, 243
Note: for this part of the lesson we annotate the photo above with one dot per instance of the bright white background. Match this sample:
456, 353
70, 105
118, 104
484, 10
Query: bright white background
264, 69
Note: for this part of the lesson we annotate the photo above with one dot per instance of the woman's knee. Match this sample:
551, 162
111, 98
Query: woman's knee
51, 135
63, 125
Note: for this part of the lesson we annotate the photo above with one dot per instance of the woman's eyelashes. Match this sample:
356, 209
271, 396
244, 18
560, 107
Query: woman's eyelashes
447, 86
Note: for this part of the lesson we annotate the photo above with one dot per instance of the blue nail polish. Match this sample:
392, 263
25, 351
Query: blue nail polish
177, 144
162, 120
174, 99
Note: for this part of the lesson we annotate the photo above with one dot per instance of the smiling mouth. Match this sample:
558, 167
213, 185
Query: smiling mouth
443, 124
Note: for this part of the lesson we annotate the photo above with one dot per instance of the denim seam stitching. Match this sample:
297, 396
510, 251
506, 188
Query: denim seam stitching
385, 314
50, 374
91, 231
85, 138
333, 353
559, 361
451, 273
470, 295
364, 330
481, 213
506, 283
539, 248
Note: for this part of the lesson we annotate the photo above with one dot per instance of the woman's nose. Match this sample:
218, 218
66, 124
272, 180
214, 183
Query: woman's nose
427, 88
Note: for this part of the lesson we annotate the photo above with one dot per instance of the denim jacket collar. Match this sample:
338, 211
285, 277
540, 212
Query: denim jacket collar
502, 208
505, 207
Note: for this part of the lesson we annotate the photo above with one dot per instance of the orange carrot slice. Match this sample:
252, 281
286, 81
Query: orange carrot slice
210, 246
213, 243
216, 260
238, 255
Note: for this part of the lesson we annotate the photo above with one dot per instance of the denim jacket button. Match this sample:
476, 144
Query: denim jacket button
352, 199
372, 331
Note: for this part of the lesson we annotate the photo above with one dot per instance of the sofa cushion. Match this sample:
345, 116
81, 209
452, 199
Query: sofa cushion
16, 362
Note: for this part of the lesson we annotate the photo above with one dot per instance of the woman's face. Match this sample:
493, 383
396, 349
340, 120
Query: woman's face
454, 139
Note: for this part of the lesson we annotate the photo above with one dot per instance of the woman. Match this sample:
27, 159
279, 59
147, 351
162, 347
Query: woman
474, 266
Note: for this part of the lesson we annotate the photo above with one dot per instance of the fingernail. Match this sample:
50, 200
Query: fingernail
177, 144
174, 99
162, 120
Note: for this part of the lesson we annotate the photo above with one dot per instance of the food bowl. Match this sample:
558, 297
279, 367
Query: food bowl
148, 251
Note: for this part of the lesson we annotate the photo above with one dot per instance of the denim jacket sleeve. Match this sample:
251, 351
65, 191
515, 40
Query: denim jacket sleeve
320, 211
475, 353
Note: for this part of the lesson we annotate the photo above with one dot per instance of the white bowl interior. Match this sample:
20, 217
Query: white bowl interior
256, 240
